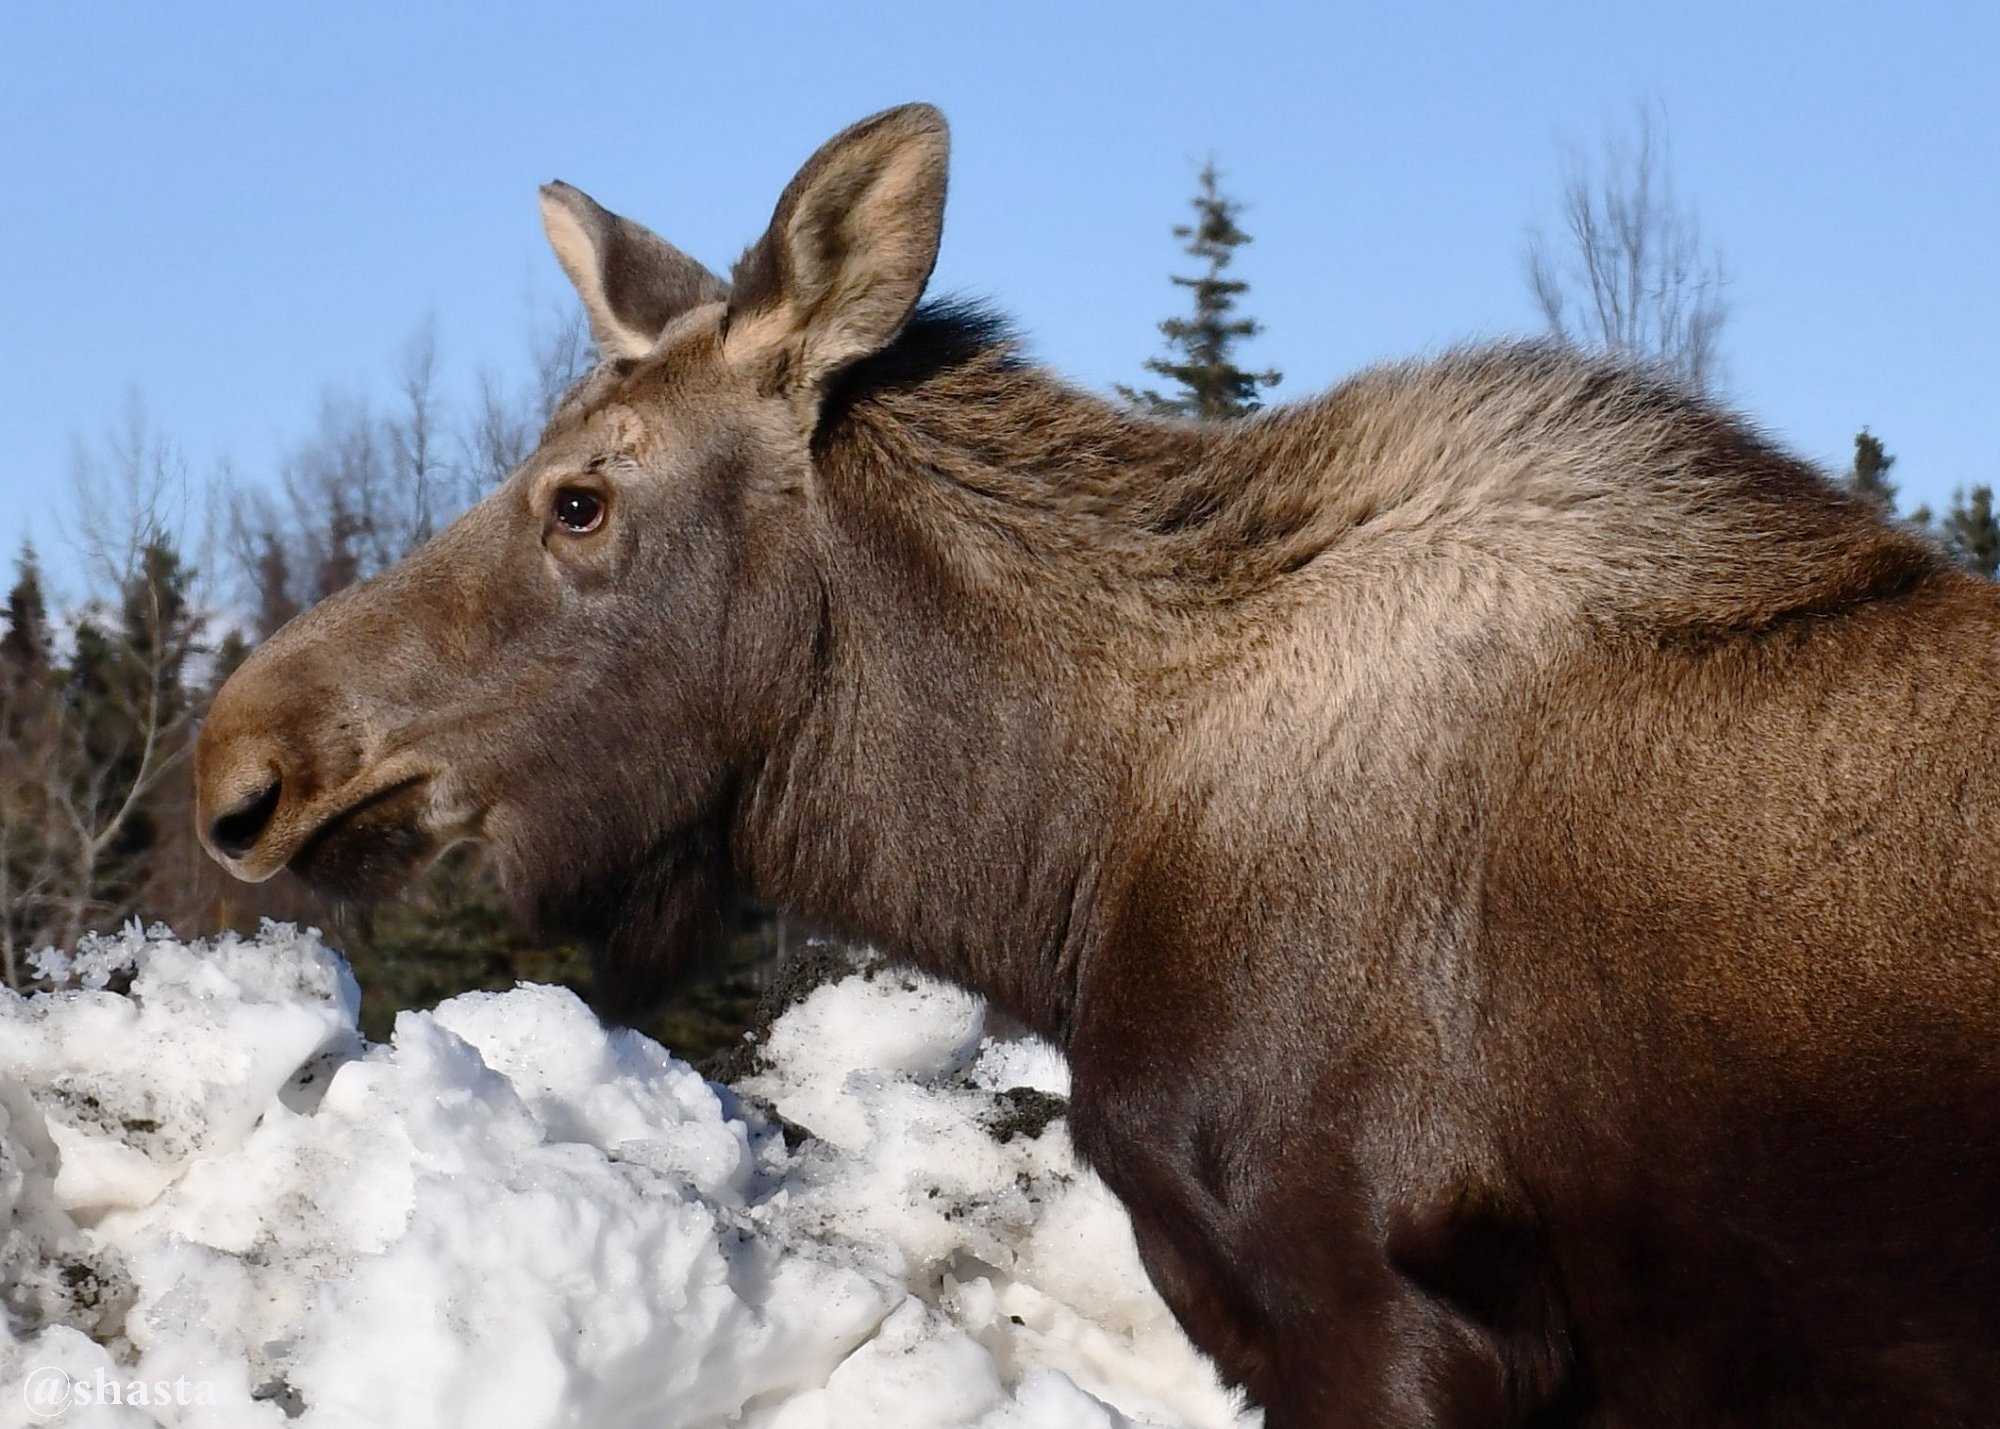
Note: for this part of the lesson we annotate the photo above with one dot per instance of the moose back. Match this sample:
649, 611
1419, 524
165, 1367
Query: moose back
1509, 855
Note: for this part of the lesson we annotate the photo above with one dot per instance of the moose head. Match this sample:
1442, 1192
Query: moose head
582, 670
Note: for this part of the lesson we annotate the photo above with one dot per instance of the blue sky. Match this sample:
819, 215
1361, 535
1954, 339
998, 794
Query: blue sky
230, 208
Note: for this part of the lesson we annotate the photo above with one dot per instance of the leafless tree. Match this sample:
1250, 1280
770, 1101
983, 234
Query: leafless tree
98, 732
1629, 272
96, 802
413, 436
96, 818
320, 525
128, 487
365, 489
507, 420
500, 433
561, 352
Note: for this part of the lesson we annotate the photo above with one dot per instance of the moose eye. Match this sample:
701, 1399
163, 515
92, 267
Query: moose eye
578, 510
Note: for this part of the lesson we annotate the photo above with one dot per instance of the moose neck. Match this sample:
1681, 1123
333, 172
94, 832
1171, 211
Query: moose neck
988, 670
1028, 594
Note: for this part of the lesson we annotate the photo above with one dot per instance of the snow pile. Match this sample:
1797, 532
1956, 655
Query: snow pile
220, 1205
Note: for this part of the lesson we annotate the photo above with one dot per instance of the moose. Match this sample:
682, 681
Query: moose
1512, 857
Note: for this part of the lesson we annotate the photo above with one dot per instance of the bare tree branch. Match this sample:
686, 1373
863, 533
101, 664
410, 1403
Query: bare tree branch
129, 488
413, 437
1631, 274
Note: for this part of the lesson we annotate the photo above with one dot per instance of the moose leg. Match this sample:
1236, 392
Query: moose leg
1389, 1361
1444, 1331
1223, 1325
1341, 1273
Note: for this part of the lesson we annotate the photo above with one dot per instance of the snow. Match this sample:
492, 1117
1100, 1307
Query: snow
219, 1203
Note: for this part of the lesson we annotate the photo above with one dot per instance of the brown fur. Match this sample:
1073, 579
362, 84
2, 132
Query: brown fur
1509, 855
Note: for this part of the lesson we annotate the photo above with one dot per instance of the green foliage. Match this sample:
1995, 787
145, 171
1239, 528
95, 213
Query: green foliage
230, 651
1869, 475
32, 843
708, 1020
1971, 533
448, 934
1200, 349
1969, 530
24, 649
452, 933
273, 580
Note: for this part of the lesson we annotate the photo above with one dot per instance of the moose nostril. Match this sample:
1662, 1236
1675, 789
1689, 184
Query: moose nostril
236, 832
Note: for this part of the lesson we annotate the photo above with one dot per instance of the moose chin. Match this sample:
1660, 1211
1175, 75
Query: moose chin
1511, 857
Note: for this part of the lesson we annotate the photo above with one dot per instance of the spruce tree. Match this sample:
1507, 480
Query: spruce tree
30, 742
340, 565
230, 651
1870, 474
1971, 532
275, 602
25, 646
155, 622
1200, 349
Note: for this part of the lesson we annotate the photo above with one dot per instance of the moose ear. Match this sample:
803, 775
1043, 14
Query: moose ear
632, 281
848, 252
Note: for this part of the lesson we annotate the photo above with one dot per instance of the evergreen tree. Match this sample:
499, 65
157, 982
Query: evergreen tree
1200, 348
1870, 474
155, 621
30, 731
232, 650
126, 673
340, 566
1971, 533
275, 602
24, 648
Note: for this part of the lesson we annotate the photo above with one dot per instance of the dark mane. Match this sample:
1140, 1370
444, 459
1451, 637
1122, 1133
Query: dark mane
944, 334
